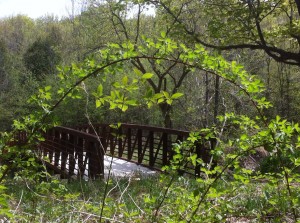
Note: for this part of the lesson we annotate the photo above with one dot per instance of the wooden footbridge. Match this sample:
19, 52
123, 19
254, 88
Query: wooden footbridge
80, 151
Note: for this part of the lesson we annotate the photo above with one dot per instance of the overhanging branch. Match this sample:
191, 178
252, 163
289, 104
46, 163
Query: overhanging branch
278, 54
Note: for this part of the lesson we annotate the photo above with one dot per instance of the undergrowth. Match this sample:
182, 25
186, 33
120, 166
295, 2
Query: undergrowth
136, 198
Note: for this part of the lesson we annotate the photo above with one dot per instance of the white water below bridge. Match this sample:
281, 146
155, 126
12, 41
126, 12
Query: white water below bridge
123, 168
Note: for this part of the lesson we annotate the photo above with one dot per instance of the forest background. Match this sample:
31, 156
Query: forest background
31, 50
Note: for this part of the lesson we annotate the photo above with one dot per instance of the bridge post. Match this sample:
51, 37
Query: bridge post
165, 149
151, 149
96, 161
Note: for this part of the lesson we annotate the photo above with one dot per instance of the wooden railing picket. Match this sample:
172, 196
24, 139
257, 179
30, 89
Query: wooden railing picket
47, 145
140, 145
112, 143
56, 150
64, 152
120, 140
79, 151
71, 153
105, 135
92, 163
159, 148
145, 147
129, 144
151, 149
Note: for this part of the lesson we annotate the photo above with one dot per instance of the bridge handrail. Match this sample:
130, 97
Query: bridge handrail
144, 127
76, 132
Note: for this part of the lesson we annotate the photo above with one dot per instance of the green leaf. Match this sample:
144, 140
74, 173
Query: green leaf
61, 91
176, 95
147, 76
117, 85
125, 80
124, 108
160, 100
98, 103
47, 88
193, 159
297, 162
149, 104
112, 105
131, 102
166, 94
100, 90
137, 72
158, 96
113, 45
169, 101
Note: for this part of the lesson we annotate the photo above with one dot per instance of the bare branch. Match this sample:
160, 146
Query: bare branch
138, 24
280, 55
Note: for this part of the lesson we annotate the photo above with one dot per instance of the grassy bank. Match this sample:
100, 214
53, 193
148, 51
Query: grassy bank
147, 199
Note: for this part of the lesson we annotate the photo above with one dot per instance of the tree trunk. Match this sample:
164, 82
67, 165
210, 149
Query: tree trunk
165, 110
217, 96
206, 114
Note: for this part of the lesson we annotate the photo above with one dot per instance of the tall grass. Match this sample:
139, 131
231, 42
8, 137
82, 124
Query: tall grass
136, 197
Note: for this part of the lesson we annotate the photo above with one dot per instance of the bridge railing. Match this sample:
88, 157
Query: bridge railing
18, 138
81, 152
146, 145
72, 152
